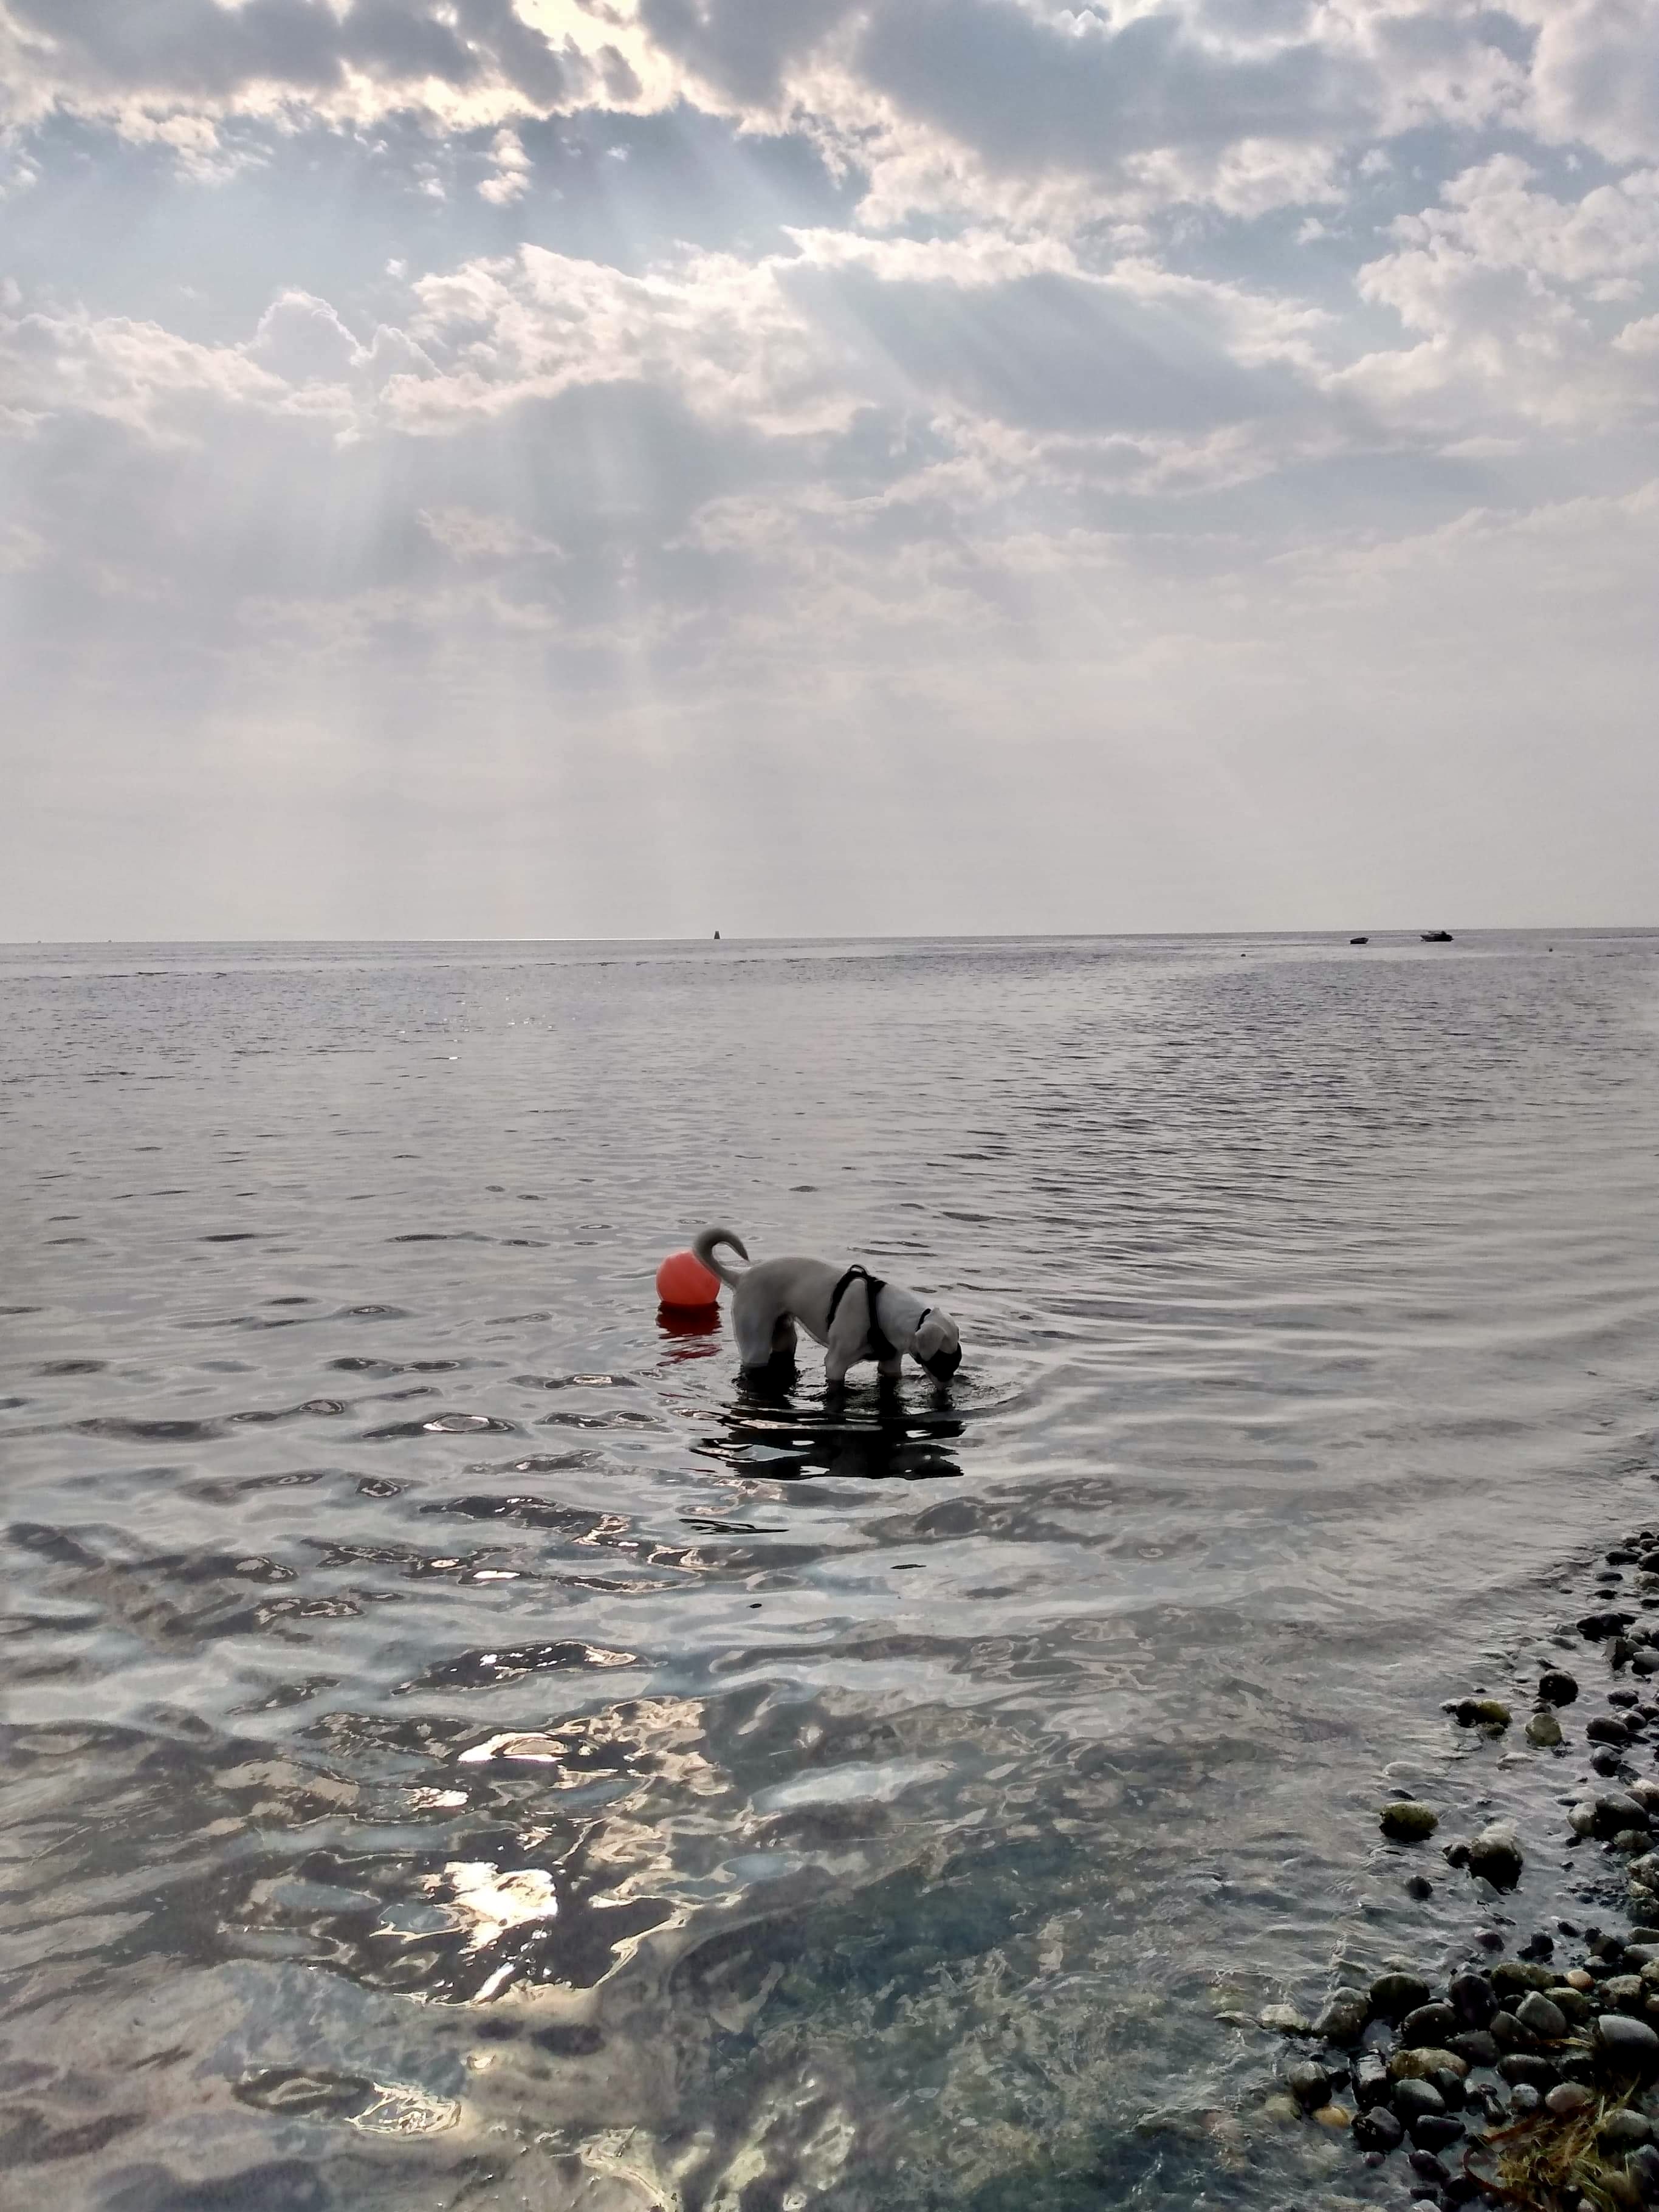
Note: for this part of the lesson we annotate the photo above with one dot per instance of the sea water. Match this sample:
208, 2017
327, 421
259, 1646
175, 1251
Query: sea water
462, 1747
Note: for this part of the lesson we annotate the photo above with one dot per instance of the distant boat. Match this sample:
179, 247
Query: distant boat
1436, 936
1359, 940
717, 937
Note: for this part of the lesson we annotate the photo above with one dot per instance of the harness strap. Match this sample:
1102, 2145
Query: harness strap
873, 1286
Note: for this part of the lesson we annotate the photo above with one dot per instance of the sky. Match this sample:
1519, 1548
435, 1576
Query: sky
520, 468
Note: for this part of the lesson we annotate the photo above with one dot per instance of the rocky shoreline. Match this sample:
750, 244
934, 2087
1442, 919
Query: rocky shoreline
1532, 2080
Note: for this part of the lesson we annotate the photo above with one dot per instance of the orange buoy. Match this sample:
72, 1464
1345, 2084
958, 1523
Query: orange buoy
683, 1281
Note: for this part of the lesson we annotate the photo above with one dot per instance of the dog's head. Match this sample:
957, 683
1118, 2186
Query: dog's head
937, 1344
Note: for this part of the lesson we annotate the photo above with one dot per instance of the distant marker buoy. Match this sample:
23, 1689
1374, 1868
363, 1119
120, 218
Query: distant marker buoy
683, 1281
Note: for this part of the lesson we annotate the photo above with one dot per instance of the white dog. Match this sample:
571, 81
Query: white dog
853, 1315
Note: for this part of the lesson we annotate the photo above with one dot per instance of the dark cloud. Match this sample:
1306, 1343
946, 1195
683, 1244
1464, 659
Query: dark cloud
199, 49
742, 47
1029, 95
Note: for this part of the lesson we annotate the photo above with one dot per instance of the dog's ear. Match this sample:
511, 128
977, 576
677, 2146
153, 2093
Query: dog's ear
938, 1332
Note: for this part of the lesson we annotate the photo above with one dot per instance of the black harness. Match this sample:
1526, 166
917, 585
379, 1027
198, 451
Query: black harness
880, 1345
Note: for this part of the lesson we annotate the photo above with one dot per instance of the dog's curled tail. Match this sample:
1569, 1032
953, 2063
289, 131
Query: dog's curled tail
704, 1246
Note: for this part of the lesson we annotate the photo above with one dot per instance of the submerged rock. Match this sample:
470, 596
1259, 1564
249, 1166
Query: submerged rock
1597, 1627
1481, 1712
1284, 2019
1406, 1821
1495, 1855
1344, 2017
1310, 2084
1556, 1687
1544, 1730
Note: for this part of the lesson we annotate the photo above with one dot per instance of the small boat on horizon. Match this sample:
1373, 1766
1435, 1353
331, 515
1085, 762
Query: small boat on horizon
1359, 940
1436, 936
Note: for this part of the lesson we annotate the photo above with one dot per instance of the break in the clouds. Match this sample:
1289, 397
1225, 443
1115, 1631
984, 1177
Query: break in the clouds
552, 466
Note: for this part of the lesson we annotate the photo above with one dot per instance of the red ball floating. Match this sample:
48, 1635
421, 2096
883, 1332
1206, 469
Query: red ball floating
683, 1281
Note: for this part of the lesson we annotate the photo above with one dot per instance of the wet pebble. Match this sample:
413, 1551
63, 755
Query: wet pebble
1568, 2098
1419, 1886
1629, 2046
1416, 2100
1379, 2130
1428, 2024
1526, 2069
1284, 2019
1435, 2131
1544, 1730
1626, 2131
1475, 2047
1370, 2079
1536, 2012
1557, 1687
1473, 1998
1425, 2064
1393, 1995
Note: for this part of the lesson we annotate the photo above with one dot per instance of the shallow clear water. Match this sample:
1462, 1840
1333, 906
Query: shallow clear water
460, 1749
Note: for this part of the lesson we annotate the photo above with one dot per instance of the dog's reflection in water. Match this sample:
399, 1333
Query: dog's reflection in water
867, 1435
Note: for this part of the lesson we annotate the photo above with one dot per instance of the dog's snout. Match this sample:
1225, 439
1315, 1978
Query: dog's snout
944, 1364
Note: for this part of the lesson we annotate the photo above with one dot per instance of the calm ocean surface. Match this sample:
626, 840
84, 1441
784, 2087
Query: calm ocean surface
459, 1751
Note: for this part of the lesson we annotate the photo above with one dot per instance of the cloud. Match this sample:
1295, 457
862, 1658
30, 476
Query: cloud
468, 536
219, 58
1511, 288
513, 170
1221, 402
1596, 74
